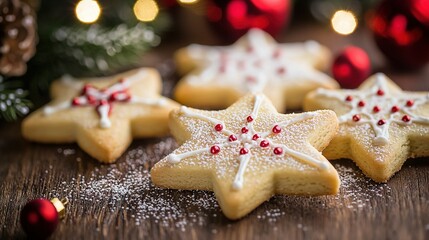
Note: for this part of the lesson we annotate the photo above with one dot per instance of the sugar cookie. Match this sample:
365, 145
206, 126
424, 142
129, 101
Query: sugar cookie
102, 115
380, 125
255, 63
249, 152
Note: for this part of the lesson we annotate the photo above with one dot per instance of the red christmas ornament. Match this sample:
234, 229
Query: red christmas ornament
351, 67
39, 217
232, 19
401, 31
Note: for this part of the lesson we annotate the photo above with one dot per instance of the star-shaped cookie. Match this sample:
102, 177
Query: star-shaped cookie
255, 63
102, 115
249, 152
381, 126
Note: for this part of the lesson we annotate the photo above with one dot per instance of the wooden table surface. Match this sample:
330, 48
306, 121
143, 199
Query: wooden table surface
118, 202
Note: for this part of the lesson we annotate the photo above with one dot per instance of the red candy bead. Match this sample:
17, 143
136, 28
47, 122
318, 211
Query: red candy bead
86, 88
277, 129
281, 70
349, 98
255, 137
380, 92
395, 109
244, 130
218, 127
376, 109
361, 103
264, 143
381, 122
356, 117
215, 149
76, 101
244, 151
91, 99
232, 138
410, 103
278, 150
249, 119
406, 118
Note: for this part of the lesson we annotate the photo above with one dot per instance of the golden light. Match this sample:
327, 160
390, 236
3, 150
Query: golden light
146, 10
344, 22
88, 11
188, 1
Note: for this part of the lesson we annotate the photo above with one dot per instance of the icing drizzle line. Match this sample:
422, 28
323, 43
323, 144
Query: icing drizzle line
255, 63
103, 99
247, 139
378, 108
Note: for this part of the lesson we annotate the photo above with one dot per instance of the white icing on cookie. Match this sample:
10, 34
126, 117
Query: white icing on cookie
103, 99
256, 62
248, 139
378, 107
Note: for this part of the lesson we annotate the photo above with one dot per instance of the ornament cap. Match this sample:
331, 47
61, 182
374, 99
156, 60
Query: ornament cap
60, 206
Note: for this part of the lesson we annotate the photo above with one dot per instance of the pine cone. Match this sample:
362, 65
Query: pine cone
18, 37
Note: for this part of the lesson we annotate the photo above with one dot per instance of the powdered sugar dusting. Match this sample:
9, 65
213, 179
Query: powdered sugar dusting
126, 186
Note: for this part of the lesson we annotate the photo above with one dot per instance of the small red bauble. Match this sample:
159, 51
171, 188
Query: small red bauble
351, 67
361, 104
349, 98
249, 119
244, 130
410, 103
401, 31
380, 92
406, 118
376, 109
232, 19
39, 217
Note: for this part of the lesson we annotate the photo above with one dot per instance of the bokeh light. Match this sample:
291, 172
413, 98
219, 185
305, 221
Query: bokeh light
146, 10
188, 1
344, 22
88, 11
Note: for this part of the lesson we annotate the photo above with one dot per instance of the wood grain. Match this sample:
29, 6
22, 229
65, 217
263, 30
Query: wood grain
397, 210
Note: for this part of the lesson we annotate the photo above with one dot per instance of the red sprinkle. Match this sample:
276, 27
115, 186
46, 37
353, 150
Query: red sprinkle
281, 70
277, 129
356, 117
381, 122
380, 92
376, 109
218, 127
215, 149
395, 109
244, 130
76, 101
264, 143
85, 89
361, 103
232, 138
278, 150
244, 151
249, 119
406, 118
255, 137
410, 103
349, 98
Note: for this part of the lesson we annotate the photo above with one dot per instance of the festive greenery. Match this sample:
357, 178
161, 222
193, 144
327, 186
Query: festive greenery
67, 46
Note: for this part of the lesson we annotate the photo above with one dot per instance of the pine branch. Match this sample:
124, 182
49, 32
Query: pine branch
13, 102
